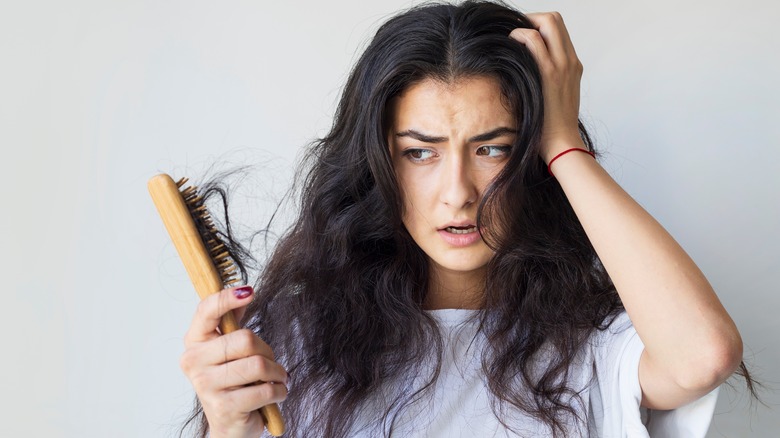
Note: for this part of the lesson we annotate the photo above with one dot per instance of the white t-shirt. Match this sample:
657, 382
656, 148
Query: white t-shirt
459, 405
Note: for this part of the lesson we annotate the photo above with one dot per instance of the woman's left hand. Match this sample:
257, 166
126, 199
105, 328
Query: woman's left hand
561, 70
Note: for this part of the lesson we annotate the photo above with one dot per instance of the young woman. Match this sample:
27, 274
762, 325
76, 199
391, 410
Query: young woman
462, 266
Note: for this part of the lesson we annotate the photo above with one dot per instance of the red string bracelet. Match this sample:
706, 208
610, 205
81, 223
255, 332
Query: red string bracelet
549, 165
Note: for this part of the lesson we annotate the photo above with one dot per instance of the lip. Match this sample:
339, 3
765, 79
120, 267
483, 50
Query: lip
459, 224
460, 240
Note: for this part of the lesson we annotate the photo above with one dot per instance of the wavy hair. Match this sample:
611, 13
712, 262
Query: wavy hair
341, 298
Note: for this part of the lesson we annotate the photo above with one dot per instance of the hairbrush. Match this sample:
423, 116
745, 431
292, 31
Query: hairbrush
205, 257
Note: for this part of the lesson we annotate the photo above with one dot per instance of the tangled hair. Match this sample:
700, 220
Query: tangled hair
341, 298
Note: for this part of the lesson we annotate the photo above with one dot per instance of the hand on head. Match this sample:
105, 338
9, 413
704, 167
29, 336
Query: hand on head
561, 70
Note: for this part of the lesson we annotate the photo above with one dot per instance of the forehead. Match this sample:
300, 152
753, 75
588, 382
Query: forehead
466, 104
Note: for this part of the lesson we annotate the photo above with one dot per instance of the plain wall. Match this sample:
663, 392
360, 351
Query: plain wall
96, 97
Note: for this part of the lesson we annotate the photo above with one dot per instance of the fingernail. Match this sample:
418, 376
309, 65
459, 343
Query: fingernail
242, 292
287, 379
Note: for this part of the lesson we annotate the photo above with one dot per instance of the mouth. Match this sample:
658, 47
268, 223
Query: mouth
460, 234
462, 230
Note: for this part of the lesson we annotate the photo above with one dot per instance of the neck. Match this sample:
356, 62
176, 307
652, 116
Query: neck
454, 290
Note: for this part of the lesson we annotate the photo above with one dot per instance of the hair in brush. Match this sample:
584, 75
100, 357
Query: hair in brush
228, 254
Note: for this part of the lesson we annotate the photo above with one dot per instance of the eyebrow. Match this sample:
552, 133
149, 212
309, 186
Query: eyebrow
490, 135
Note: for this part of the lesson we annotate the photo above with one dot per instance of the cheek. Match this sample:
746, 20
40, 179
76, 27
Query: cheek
402, 180
408, 196
413, 195
487, 175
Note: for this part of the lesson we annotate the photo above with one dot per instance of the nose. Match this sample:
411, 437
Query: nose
458, 185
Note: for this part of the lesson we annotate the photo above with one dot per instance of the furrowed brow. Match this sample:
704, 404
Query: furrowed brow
425, 138
421, 137
490, 135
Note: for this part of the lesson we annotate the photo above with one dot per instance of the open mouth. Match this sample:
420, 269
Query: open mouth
462, 230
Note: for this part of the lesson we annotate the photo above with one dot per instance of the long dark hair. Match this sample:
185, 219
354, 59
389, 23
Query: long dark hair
341, 298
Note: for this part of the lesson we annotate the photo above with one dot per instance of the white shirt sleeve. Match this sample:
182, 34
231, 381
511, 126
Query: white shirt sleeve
616, 395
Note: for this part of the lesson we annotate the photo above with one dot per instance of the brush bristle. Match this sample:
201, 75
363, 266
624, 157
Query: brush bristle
217, 249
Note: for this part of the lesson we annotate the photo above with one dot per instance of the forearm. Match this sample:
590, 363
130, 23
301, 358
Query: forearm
691, 343
686, 331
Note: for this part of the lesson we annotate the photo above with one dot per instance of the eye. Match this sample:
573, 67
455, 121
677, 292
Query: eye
419, 155
494, 151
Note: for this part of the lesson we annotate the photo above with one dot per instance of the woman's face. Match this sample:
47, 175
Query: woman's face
448, 142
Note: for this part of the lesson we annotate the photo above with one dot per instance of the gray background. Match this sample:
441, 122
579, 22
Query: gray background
96, 97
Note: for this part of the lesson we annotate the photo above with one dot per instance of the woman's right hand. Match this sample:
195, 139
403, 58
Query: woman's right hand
223, 368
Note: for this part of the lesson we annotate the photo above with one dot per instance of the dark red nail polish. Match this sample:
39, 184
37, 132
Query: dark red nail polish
242, 292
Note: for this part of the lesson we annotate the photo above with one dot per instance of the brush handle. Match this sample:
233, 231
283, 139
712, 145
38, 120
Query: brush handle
197, 261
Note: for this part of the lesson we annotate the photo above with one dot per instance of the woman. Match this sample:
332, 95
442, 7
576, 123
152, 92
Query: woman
462, 266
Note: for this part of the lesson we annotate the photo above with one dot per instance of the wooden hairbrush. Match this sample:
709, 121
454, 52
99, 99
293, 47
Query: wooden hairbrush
205, 257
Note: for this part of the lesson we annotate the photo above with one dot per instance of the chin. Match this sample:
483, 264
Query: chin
462, 266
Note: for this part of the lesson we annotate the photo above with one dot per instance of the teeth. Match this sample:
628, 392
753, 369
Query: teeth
454, 230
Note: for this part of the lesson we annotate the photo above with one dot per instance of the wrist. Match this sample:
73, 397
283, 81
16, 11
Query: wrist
571, 151
552, 148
